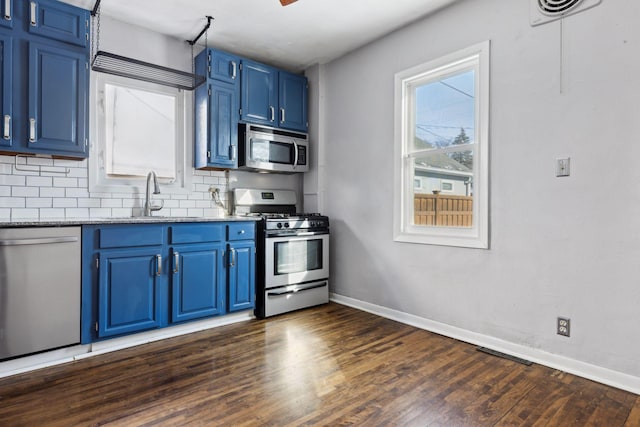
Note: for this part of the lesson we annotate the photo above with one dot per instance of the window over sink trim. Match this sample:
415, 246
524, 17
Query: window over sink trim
474, 60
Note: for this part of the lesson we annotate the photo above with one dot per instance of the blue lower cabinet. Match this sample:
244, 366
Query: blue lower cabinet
241, 275
129, 287
197, 282
137, 277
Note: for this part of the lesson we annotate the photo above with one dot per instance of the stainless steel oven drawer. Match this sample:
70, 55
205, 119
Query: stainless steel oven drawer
294, 297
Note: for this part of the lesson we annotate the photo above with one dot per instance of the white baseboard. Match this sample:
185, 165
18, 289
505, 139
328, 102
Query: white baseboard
592, 372
78, 352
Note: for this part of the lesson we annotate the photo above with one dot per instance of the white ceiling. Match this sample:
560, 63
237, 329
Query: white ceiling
293, 37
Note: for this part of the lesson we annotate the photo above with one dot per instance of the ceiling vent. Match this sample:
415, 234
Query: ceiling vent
543, 11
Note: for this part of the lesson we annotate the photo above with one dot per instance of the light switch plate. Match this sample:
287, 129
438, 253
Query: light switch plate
563, 167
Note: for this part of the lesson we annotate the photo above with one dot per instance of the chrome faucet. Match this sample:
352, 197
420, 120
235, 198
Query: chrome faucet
148, 207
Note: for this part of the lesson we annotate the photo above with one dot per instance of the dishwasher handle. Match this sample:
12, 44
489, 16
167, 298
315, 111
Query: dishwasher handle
38, 241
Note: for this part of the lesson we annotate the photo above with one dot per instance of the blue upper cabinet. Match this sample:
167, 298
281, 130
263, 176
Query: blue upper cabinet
293, 101
216, 131
6, 9
59, 21
273, 97
259, 93
57, 99
6, 57
223, 66
45, 60
217, 110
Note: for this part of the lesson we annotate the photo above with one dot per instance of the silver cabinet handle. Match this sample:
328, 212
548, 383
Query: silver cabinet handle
32, 130
233, 149
7, 10
232, 262
158, 265
273, 113
282, 115
34, 22
7, 127
234, 67
176, 262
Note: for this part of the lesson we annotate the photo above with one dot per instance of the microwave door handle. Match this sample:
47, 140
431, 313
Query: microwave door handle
295, 154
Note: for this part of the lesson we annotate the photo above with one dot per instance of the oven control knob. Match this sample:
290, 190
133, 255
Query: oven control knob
286, 225
279, 225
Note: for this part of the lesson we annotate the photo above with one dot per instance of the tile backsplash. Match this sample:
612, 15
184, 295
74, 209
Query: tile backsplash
43, 188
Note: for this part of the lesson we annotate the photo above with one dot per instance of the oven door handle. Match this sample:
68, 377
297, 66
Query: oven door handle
294, 291
299, 234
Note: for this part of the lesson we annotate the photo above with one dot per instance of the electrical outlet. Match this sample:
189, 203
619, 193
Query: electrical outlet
564, 326
563, 166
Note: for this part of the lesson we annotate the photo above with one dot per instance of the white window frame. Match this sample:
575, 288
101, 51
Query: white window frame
99, 181
474, 57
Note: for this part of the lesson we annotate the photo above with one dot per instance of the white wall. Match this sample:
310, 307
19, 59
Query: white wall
559, 246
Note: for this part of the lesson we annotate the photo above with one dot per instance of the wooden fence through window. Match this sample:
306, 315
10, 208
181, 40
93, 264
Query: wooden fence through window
443, 210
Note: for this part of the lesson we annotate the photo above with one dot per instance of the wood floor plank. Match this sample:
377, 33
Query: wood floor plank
330, 365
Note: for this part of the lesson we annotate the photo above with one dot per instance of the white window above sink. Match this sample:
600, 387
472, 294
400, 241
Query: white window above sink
137, 127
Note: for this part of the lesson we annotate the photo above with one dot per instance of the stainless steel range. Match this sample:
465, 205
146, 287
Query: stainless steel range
292, 252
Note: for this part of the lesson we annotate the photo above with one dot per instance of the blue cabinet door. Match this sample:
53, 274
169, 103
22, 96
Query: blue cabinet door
58, 21
223, 66
241, 275
129, 287
259, 93
57, 99
292, 96
216, 133
7, 17
197, 282
6, 56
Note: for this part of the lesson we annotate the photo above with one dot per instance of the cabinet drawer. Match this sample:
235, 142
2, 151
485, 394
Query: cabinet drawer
196, 233
131, 235
241, 231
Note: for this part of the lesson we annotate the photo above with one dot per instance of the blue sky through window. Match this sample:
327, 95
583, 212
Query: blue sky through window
444, 106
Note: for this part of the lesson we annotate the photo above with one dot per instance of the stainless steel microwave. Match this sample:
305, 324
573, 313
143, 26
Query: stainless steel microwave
267, 149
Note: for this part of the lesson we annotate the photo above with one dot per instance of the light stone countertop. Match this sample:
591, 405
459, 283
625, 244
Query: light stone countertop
62, 222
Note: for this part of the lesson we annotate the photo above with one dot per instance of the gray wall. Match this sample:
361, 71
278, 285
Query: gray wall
559, 246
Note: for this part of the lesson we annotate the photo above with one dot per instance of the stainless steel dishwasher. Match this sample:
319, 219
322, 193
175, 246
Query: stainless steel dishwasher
39, 289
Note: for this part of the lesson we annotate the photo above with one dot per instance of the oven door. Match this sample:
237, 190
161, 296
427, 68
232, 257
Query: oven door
296, 259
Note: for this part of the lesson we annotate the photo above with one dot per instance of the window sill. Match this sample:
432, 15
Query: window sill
461, 241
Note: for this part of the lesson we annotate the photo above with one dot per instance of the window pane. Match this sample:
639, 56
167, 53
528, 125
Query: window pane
445, 123
445, 194
445, 112
140, 132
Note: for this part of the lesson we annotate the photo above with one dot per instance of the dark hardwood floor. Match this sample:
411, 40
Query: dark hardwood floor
330, 365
